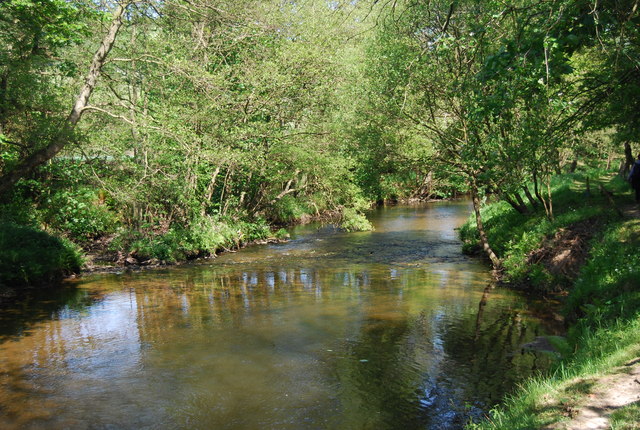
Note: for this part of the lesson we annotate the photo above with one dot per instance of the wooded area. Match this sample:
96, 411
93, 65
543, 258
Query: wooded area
175, 127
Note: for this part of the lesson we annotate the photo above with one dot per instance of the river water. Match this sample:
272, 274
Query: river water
390, 329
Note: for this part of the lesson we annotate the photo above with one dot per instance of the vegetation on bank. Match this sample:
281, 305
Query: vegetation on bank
601, 296
166, 130
32, 257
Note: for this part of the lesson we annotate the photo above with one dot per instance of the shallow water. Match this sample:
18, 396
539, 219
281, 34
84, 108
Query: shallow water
378, 330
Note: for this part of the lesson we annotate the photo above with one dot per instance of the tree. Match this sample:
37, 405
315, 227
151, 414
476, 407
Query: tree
60, 137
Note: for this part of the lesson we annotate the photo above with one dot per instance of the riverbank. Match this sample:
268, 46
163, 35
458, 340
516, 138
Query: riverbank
589, 255
35, 258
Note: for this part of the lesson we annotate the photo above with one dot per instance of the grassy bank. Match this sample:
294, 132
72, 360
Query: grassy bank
600, 281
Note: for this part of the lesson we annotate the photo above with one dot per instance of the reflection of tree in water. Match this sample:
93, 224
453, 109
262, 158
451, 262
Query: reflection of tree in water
397, 370
370, 346
20, 313
485, 348
428, 371
391, 362
377, 388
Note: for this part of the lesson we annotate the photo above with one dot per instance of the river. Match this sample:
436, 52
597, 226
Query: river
390, 329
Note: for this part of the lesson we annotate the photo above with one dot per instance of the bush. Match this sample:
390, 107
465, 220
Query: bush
352, 220
256, 230
79, 213
282, 234
288, 209
32, 257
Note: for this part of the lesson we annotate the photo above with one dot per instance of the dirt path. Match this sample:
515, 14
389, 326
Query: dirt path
606, 394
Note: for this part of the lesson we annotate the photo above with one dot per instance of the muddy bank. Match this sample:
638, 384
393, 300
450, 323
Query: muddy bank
567, 250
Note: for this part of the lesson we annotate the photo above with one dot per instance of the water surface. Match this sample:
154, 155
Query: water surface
378, 330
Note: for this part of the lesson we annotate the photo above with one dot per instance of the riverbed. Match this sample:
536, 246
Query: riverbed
389, 329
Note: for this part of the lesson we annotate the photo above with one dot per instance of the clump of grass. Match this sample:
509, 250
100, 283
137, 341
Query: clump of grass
626, 418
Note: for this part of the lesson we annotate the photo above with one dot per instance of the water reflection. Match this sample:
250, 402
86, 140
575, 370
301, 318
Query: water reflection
363, 331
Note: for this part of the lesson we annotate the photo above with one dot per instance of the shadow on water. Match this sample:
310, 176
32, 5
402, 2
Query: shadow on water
20, 313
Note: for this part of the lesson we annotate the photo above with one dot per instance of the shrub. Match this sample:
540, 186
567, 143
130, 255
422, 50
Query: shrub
288, 209
352, 220
32, 257
78, 213
258, 229
204, 236
282, 234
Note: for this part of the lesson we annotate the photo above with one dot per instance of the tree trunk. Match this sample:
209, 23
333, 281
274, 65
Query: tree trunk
549, 205
209, 194
497, 264
4, 85
519, 208
573, 166
531, 199
521, 203
60, 139
536, 190
628, 161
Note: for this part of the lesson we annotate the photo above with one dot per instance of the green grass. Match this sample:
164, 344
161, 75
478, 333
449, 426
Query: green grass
602, 305
608, 284
548, 399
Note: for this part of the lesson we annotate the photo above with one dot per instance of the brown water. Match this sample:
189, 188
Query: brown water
378, 330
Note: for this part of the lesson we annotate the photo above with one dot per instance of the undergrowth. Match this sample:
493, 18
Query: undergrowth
206, 236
